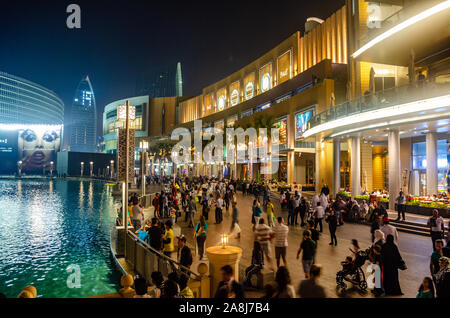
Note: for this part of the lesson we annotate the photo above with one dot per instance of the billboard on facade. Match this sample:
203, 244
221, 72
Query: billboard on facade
265, 77
208, 104
284, 66
249, 86
235, 93
282, 130
221, 99
35, 146
301, 122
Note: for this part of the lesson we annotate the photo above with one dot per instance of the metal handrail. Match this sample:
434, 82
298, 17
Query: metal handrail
161, 255
379, 100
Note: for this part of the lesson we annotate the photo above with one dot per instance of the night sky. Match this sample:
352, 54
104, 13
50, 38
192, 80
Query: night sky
119, 40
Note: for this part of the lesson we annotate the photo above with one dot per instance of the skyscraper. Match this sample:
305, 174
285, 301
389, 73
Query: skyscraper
179, 81
83, 119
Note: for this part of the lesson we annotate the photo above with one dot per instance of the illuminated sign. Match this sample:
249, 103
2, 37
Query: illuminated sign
284, 66
221, 99
301, 122
208, 101
249, 86
265, 77
122, 112
282, 130
235, 93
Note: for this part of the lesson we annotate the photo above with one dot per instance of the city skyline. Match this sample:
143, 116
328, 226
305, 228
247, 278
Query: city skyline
115, 61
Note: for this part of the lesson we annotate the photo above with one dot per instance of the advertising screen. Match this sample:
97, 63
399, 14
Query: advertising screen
235, 93
221, 99
265, 78
282, 132
249, 86
284, 67
35, 146
301, 122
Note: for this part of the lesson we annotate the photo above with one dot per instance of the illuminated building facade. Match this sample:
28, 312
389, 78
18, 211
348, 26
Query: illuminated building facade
82, 126
31, 121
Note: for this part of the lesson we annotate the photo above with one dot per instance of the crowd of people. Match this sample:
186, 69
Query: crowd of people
204, 200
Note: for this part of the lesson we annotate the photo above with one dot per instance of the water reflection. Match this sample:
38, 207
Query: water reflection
43, 231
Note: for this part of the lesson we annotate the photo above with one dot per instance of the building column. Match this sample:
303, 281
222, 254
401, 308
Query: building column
336, 166
290, 145
432, 163
394, 166
355, 166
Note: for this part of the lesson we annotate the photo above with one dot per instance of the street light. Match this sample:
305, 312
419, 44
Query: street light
112, 168
91, 168
51, 168
19, 166
82, 168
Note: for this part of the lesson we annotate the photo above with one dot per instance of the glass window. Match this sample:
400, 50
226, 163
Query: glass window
419, 154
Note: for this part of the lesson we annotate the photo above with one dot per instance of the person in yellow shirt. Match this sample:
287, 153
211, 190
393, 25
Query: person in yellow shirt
169, 246
269, 210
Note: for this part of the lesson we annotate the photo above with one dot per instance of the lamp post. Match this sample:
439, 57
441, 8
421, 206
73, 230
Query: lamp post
19, 167
250, 161
107, 171
112, 168
51, 168
91, 169
82, 168
126, 112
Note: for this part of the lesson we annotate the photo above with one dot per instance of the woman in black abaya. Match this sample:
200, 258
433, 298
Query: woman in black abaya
392, 262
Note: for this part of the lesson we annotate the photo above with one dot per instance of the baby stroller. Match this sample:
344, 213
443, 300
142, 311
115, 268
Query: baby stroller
352, 272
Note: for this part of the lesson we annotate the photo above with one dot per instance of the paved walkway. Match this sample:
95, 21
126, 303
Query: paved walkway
414, 249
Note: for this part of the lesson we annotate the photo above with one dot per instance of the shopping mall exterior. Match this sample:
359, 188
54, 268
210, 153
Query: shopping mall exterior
362, 100
31, 121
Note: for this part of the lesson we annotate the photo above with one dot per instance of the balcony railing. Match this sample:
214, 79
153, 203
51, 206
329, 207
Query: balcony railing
379, 100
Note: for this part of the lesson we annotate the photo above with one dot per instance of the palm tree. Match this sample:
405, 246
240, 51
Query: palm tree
162, 151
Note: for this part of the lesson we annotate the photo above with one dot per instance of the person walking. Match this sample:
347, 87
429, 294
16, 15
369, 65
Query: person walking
281, 241
401, 199
257, 263
303, 208
284, 287
155, 235
392, 262
219, 206
332, 226
168, 240
269, 211
436, 225
443, 278
192, 209
256, 213
310, 288
263, 235
308, 247
184, 253
319, 213
205, 206
200, 235
235, 219
388, 229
